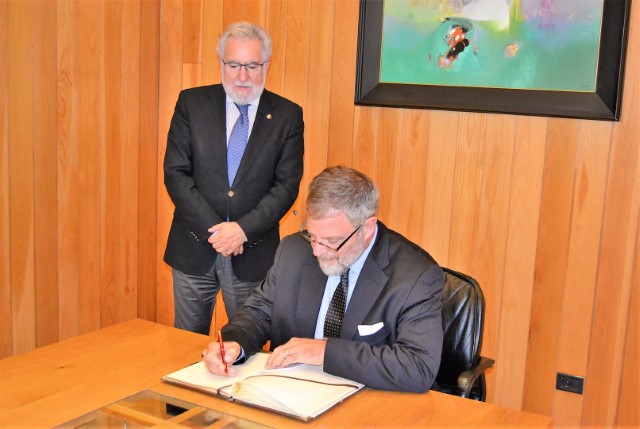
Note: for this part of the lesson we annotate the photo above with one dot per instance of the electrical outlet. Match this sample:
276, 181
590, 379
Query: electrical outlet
569, 383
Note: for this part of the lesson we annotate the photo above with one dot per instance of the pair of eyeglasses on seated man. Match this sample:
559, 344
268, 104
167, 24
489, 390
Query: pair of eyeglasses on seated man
252, 67
311, 240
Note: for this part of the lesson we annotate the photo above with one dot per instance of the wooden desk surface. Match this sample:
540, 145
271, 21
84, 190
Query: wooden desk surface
56, 383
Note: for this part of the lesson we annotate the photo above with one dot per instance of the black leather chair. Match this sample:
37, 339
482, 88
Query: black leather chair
462, 368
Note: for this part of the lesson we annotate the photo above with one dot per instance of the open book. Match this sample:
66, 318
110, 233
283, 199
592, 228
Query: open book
301, 391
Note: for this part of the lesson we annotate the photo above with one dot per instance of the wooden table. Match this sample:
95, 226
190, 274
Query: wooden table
57, 383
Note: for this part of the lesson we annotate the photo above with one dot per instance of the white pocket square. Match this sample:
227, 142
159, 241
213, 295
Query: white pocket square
365, 330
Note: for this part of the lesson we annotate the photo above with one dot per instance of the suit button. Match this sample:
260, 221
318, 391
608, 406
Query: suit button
230, 194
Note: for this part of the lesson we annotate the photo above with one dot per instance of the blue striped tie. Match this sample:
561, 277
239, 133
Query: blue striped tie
237, 142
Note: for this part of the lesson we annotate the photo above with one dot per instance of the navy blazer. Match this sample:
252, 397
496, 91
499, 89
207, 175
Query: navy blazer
195, 174
400, 285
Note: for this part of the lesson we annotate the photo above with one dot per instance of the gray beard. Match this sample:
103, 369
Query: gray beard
241, 99
342, 263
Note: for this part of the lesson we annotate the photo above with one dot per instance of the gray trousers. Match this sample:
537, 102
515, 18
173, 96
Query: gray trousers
195, 296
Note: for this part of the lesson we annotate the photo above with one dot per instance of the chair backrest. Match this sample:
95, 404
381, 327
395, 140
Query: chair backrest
462, 323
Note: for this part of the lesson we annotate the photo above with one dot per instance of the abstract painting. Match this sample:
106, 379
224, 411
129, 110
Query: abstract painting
536, 57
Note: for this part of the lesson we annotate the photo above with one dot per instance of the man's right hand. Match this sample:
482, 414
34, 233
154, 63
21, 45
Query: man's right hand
213, 359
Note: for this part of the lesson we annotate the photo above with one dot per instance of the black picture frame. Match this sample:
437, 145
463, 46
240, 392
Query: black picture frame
602, 104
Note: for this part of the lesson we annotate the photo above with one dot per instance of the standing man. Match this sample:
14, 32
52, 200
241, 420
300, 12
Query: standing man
232, 168
347, 294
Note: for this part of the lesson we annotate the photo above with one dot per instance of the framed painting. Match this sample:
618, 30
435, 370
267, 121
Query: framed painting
561, 58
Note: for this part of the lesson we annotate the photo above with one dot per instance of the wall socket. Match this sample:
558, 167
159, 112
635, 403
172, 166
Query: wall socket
569, 383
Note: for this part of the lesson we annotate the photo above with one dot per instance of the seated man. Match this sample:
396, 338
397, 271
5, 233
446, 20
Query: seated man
390, 335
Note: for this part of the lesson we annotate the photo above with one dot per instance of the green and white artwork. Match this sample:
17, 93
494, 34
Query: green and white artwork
549, 45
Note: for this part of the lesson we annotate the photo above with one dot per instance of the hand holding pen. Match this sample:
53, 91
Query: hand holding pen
226, 367
218, 355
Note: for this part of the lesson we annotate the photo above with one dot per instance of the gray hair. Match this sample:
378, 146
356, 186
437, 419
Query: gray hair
342, 189
246, 30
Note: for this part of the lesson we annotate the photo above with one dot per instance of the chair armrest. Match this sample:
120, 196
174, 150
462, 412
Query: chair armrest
469, 377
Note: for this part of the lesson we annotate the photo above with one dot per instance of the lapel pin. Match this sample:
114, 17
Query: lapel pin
269, 116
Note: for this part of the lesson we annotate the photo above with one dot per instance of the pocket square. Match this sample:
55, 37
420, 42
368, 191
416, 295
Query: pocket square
365, 330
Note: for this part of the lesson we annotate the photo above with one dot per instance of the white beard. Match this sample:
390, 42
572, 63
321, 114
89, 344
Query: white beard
335, 265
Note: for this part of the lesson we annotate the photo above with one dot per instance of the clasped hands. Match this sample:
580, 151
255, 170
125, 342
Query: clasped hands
227, 238
296, 350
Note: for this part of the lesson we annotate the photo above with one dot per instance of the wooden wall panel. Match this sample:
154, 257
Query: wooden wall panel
318, 66
543, 212
68, 165
148, 167
613, 287
408, 190
341, 111
490, 246
170, 77
467, 183
551, 262
592, 163
441, 164
515, 296
628, 412
6, 310
21, 197
387, 163
45, 180
89, 105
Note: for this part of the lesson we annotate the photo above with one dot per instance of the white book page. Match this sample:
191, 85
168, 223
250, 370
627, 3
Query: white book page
294, 393
197, 375
300, 390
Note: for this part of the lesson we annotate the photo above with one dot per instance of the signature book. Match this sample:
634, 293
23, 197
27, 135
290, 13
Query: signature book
301, 391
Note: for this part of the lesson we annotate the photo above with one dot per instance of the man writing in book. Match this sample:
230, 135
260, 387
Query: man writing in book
346, 293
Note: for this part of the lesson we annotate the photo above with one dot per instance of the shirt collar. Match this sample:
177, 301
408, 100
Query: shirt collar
356, 267
252, 103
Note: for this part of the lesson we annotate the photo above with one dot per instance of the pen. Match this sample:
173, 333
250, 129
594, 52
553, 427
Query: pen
226, 369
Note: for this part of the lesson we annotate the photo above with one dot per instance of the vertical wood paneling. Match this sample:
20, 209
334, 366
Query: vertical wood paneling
296, 70
21, 148
628, 412
388, 162
441, 164
316, 115
147, 167
277, 29
234, 11
490, 247
341, 116
212, 29
409, 191
296, 74
582, 260
616, 254
113, 167
365, 143
515, 296
45, 174
170, 86
68, 165
551, 263
466, 190
90, 142
192, 31
125, 304
613, 287
6, 311
543, 212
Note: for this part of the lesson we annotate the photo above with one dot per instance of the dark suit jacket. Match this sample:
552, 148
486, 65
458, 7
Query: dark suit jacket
399, 285
195, 174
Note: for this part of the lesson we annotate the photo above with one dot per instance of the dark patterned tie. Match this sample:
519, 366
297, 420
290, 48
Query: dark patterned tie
335, 313
237, 141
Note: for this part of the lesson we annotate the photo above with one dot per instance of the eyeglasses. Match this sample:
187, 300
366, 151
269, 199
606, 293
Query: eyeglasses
251, 68
305, 234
